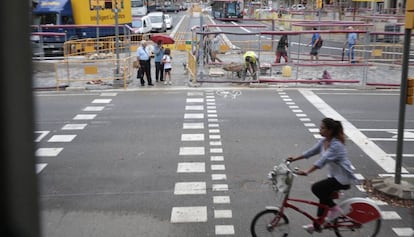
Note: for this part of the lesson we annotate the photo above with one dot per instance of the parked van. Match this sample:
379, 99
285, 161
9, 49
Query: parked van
141, 25
157, 21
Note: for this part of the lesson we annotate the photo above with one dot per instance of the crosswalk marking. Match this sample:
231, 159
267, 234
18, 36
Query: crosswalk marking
62, 138
190, 188
40, 167
390, 215
192, 137
221, 199
218, 177
84, 117
404, 232
93, 108
194, 107
48, 152
193, 125
187, 151
195, 100
224, 230
218, 167
72, 126
220, 187
189, 214
193, 116
101, 101
191, 167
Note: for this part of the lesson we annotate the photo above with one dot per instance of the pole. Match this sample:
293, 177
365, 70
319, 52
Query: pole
97, 8
403, 98
201, 49
116, 40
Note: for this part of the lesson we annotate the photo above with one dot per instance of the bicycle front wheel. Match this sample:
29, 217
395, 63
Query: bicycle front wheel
269, 223
345, 227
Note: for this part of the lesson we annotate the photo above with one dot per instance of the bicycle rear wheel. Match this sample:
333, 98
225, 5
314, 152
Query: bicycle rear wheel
263, 224
348, 228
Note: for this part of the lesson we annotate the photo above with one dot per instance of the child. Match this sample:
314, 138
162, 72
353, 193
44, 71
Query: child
166, 60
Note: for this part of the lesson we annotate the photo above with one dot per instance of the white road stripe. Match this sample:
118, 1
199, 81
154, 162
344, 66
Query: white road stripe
84, 117
101, 101
48, 152
193, 125
191, 167
370, 148
62, 138
189, 214
93, 108
225, 230
192, 137
72, 126
221, 199
187, 151
190, 188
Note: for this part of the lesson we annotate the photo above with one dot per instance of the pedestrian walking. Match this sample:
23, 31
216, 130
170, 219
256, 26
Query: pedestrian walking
144, 64
167, 61
215, 48
159, 66
350, 43
314, 53
281, 50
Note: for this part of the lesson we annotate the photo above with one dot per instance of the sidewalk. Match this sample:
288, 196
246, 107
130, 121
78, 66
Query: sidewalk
214, 75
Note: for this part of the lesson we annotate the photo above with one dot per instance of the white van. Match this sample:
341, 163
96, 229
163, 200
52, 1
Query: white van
141, 25
157, 21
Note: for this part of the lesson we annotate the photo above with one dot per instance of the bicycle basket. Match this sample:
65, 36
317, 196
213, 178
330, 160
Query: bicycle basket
281, 178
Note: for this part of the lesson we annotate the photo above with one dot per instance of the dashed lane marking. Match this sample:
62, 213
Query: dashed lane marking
404, 232
93, 108
48, 152
188, 151
221, 199
192, 137
191, 167
72, 126
62, 138
190, 188
84, 117
40, 167
193, 125
189, 214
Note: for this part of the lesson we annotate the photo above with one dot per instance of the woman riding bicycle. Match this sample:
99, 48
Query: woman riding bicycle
332, 154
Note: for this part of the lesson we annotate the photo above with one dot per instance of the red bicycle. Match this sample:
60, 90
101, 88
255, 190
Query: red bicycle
359, 216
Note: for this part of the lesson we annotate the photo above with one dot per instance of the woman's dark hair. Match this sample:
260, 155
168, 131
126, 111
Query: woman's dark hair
167, 51
336, 128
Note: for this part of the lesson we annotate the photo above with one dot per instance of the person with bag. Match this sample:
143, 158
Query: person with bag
144, 64
159, 66
166, 60
282, 46
315, 43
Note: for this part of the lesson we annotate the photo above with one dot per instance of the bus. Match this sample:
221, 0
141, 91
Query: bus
227, 9
139, 7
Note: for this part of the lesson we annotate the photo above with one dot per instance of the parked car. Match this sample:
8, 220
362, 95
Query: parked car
168, 21
141, 25
298, 7
157, 21
171, 8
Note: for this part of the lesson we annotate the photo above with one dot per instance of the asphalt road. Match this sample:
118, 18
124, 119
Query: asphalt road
193, 162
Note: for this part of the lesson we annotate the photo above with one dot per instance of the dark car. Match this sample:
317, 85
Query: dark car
171, 8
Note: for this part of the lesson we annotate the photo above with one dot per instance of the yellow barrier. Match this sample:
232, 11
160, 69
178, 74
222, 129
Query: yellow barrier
192, 66
100, 71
